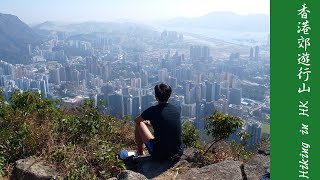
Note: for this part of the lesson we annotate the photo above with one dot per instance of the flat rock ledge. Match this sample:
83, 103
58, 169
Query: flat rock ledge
33, 169
219, 171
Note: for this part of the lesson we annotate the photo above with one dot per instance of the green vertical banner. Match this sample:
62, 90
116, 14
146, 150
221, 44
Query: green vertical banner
295, 89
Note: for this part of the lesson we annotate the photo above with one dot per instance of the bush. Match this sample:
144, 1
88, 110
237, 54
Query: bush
80, 141
190, 135
219, 126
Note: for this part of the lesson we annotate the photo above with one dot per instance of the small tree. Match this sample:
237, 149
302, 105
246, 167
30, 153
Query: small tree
220, 126
190, 135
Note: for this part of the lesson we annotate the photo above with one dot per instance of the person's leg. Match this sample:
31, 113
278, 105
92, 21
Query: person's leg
142, 135
139, 141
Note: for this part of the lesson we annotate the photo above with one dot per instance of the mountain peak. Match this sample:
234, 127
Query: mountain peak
15, 36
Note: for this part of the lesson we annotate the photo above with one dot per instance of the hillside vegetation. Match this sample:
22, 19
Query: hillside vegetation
82, 143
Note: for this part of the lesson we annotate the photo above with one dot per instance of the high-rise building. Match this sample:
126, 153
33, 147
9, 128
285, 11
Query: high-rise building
54, 76
144, 78
253, 128
115, 104
251, 54
256, 54
43, 88
203, 91
62, 72
68, 71
173, 83
135, 106
189, 110
146, 101
75, 77
197, 95
163, 75
136, 82
127, 104
210, 91
199, 52
235, 95
217, 92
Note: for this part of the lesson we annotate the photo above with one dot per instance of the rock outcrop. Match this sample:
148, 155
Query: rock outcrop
130, 175
257, 167
144, 168
33, 169
219, 171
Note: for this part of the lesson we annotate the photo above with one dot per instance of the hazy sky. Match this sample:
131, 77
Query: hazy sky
141, 10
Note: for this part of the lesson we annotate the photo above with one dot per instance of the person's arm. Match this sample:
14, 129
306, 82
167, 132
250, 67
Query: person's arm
138, 120
144, 117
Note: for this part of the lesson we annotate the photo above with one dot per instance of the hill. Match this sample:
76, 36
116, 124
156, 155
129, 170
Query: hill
225, 21
15, 36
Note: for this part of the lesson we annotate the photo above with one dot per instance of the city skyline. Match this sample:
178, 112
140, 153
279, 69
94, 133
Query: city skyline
140, 10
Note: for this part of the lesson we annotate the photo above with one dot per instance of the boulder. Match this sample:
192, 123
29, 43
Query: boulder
265, 149
33, 169
130, 175
113, 178
192, 155
257, 167
152, 169
219, 171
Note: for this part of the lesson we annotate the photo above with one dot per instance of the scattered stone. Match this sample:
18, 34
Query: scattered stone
113, 178
265, 149
130, 175
33, 169
257, 167
192, 155
152, 169
219, 171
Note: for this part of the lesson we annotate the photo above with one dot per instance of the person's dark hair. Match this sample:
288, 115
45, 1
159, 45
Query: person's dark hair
162, 92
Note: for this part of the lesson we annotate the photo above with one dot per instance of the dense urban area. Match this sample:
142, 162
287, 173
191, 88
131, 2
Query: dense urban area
119, 68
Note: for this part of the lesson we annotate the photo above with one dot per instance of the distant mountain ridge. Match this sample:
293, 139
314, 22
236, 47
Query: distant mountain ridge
15, 36
88, 26
225, 21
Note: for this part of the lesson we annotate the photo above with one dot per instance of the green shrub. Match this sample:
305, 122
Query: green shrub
219, 126
80, 141
2, 160
190, 135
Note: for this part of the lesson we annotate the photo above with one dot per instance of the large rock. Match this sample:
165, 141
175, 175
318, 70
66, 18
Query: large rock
257, 167
192, 155
130, 175
219, 171
265, 149
33, 169
152, 169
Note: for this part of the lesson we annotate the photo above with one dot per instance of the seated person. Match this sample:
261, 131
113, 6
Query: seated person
164, 118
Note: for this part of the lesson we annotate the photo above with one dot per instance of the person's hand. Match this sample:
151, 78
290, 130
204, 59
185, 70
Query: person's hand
147, 122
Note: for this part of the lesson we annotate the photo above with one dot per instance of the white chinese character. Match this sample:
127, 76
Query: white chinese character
304, 59
303, 12
304, 88
305, 72
304, 42
305, 27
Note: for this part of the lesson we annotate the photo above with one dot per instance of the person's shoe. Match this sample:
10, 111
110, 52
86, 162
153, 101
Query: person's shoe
124, 154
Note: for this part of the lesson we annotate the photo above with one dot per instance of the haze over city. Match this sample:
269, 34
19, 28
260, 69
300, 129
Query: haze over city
36, 11
214, 55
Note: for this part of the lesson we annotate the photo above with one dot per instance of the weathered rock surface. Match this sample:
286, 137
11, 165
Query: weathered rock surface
145, 168
257, 167
264, 149
219, 171
152, 169
33, 169
130, 175
192, 155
